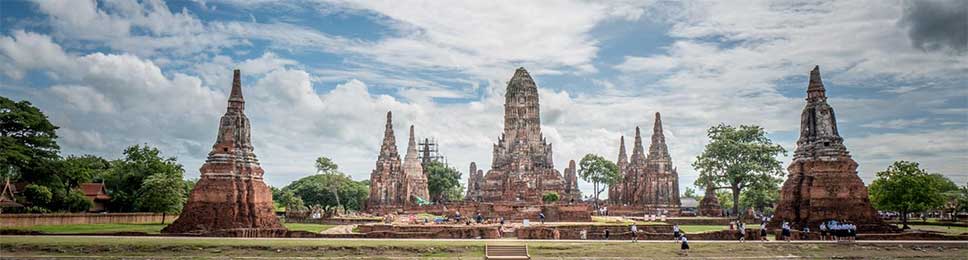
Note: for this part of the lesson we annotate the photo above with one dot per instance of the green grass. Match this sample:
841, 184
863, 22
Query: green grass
701, 228
315, 228
96, 228
951, 230
282, 248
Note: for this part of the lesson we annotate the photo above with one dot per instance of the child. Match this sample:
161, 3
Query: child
606, 234
763, 231
685, 245
584, 234
742, 232
786, 231
557, 234
675, 233
823, 231
635, 230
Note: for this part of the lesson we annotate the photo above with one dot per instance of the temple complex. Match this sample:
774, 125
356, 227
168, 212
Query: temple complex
822, 183
475, 178
394, 182
230, 194
522, 168
649, 183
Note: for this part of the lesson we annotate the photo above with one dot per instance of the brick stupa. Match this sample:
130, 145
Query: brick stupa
822, 183
230, 197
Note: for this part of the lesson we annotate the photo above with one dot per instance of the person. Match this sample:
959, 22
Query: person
786, 231
584, 234
763, 232
823, 231
742, 232
675, 232
634, 230
556, 233
606, 234
541, 216
502, 221
479, 218
685, 246
457, 217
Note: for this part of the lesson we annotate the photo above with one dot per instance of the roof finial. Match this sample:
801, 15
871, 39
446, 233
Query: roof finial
815, 88
236, 101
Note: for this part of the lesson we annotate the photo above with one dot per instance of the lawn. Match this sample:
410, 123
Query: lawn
153, 228
282, 248
950, 230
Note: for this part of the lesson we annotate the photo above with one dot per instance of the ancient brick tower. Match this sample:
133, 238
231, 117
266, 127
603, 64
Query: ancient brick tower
522, 167
649, 182
822, 183
571, 183
415, 180
616, 193
709, 205
386, 183
230, 193
475, 178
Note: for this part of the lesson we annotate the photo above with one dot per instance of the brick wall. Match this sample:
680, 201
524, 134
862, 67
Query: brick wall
24, 220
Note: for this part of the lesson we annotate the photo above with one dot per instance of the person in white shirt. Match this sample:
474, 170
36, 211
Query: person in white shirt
675, 232
786, 231
763, 231
635, 232
684, 249
742, 232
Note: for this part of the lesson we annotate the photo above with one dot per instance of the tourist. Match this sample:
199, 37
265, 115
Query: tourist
763, 232
823, 231
541, 216
606, 234
685, 246
556, 233
742, 232
502, 221
457, 216
675, 233
786, 231
479, 218
584, 234
635, 230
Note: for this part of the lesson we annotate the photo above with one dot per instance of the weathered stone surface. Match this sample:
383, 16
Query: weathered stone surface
709, 205
511, 211
416, 181
522, 168
230, 195
648, 182
571, 183
822, 183
475, 178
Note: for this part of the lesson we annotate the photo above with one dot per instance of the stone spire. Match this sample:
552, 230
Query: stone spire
230, 195
521, 110
815, 89
389, 147
638, 153
658, 150
623, 158
416, 181
818, 124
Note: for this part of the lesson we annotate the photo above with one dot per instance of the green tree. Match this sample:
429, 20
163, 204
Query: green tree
762, 195
73, 201
38, 196
599, 171
905, 188
161, 193
737, 159
443, 183
316, 190
27, 140
550, 197
80, 169
691, 193
126, 177
325, 165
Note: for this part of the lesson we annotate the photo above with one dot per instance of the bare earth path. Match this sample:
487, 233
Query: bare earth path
341, 229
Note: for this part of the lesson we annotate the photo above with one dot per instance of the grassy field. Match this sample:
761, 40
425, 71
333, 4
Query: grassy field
146, 228
281, 248
951, 230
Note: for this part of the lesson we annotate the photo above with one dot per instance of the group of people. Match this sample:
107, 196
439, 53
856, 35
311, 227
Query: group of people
838, 231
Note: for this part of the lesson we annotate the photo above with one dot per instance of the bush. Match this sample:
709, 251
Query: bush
75, 201
38, 196
550, 197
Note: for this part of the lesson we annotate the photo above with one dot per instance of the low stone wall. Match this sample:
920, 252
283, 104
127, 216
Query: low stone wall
638, 211
26, 220
429, 231
334, 221
493, 211
621, 232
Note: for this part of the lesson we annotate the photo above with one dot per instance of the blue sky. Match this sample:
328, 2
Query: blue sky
320, 75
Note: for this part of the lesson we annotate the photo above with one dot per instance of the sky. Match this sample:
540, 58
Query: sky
320, 75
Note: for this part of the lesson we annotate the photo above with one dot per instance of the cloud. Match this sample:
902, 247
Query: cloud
896, 123
937, 24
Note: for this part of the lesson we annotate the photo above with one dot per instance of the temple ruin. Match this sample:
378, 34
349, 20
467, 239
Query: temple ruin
522, 168
822, 183
230, 196
475, 178
394, 182
649, 183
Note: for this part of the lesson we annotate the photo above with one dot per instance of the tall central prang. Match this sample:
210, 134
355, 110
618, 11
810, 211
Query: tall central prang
522, 168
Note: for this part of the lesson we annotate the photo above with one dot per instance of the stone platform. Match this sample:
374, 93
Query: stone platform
493, 211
